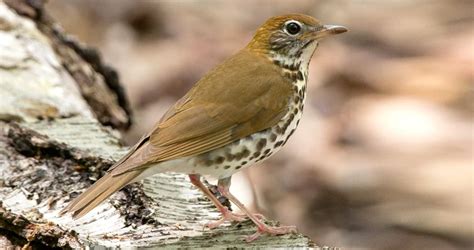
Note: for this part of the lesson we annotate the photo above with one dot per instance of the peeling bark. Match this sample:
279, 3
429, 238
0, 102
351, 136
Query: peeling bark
55, 98
98, 83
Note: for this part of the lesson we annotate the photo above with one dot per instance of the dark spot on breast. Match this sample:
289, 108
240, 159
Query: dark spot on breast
266, 152
261, 143
229, 156
297, 99
219, 159
298, 65
245, 152
291, 133
285, 141
291, 67
226, 167
256, 154
273, 137
243, 163
306, 44
238, 167
278, 130
298, 54
290, 119
287, 122
238, 156
288, 137
299, 76
279, 143
294, 67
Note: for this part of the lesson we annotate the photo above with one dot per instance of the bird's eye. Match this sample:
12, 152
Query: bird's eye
293, 28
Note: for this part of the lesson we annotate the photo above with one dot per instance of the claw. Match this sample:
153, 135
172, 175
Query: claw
270, 230
230, 216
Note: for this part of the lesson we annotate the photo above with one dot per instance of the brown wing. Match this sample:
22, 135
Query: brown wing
244, 95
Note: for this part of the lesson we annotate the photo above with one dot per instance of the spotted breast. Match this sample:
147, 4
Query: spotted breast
225, 161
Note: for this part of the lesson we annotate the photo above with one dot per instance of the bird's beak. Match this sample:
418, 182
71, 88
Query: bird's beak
327, 30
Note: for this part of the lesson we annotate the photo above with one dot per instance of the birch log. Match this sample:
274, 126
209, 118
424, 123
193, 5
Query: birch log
59, 106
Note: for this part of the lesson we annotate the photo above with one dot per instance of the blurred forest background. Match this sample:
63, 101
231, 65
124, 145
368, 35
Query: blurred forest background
383, 156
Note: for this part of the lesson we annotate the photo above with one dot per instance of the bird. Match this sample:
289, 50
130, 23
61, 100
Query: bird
241, 112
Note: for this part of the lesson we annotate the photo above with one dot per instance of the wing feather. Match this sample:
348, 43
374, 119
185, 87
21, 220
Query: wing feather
244, 95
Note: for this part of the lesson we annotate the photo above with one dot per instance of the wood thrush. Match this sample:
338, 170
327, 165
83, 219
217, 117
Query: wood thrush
239, 113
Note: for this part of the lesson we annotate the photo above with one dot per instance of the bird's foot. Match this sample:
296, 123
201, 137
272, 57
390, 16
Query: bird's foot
264, 229
230, 216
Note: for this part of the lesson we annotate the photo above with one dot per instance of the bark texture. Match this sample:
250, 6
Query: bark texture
59, 106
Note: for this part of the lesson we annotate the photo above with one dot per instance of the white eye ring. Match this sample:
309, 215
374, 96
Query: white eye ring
292, 27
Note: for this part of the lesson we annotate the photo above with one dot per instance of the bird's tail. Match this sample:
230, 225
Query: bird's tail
98, 192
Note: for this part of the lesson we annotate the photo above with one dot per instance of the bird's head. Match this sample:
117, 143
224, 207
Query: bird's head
291, 37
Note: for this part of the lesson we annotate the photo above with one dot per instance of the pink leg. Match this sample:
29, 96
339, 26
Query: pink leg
226, 214
262, 228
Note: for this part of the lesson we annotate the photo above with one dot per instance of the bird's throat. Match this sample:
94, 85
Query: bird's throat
295, 66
